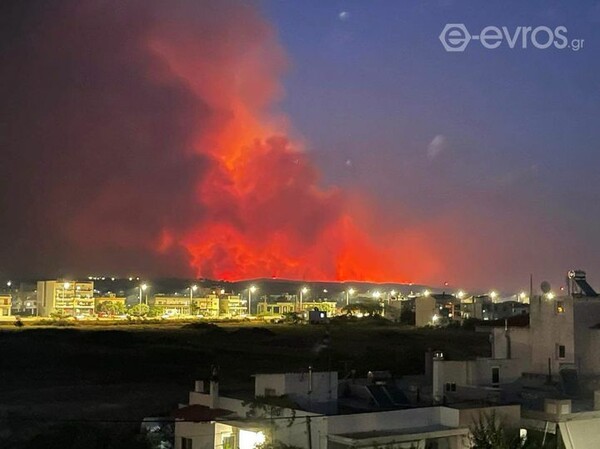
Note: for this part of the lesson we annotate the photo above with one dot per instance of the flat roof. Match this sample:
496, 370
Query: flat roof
398, 435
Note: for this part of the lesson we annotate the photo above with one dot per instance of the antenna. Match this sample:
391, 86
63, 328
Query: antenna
531, 285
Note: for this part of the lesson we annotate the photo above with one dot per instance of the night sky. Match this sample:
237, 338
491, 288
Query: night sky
308, 140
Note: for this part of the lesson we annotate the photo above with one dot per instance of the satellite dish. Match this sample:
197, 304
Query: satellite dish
545, 286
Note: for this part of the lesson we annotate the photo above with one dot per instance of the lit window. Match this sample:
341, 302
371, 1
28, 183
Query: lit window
560, 308
249, 439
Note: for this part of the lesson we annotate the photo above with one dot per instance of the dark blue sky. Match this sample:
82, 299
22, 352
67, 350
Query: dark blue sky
512, 175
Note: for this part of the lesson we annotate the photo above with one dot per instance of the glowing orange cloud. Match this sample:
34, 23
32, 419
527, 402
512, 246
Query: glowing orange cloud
264, 211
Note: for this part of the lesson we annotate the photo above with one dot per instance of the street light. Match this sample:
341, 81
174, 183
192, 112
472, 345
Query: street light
143, 288
493, 295
193, 288
460, 294
66, 286
9, 284
251, 290
349, 293
303, 291
426, 293
522, 296
376, 294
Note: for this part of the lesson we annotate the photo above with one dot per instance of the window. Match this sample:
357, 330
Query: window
495, 375
450, 386
561, 351
186, 443
228, 442
269, 392
560, 307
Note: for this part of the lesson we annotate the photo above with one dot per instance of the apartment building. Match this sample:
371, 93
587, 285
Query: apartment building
282, 307
5, 305
206, 306
275, 308
232, 305
65, 297
171, 305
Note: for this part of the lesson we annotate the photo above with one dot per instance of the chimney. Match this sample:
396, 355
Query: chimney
557, 407
438, 377
214, 388
199, 386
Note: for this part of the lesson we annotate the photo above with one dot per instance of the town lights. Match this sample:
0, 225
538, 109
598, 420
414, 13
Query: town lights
434, 319
522, 295
67, 285
376, 294
9, 284
550, 295
426, 293
460, 294
493, 295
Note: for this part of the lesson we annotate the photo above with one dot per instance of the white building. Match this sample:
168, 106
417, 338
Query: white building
546, 366
274, 413
65, 297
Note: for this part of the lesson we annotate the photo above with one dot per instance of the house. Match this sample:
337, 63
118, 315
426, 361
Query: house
301, 410
549, 364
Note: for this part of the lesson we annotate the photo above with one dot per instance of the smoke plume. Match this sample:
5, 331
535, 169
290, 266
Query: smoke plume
144, 136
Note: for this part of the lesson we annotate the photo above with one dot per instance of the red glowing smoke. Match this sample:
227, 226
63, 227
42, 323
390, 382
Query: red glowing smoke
265, 213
